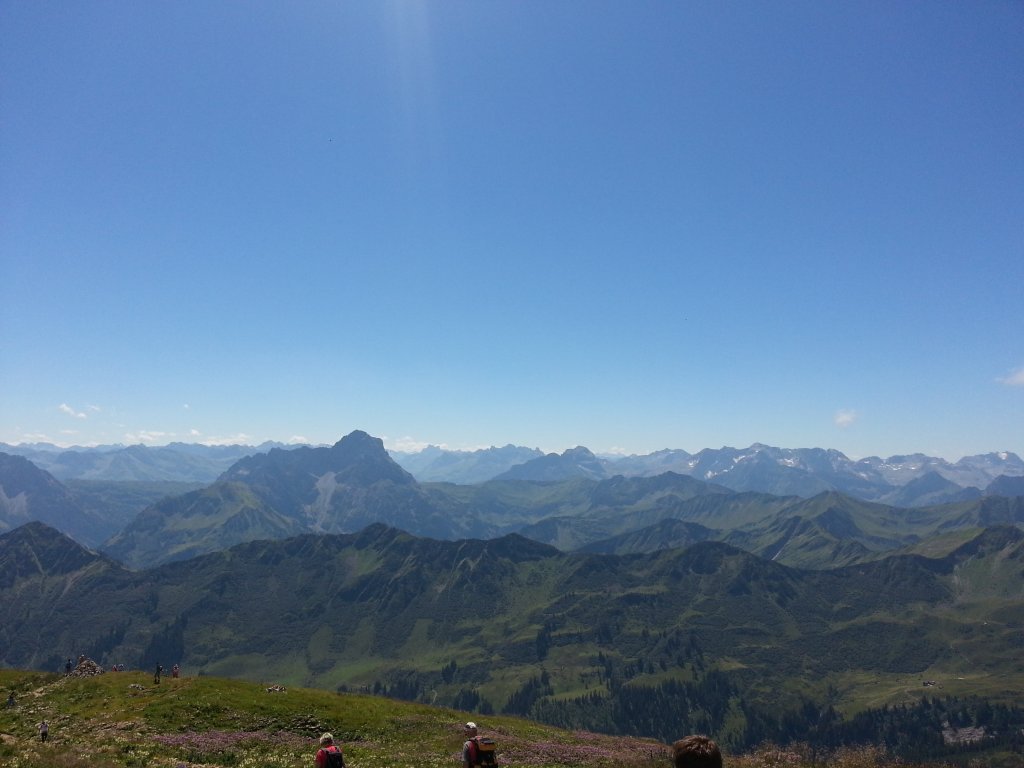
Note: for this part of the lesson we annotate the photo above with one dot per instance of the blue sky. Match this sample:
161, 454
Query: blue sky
629, 226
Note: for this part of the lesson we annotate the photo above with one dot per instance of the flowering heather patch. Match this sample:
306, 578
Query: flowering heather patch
223, 741
255, 749
803, 756
246, 761
585, 748
771, 756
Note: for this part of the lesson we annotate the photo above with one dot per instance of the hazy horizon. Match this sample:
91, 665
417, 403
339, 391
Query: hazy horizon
406, 447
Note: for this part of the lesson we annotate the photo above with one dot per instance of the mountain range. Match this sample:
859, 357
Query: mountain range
513, 625
175, 462
915, 480
912, 480
355, 483
551, 590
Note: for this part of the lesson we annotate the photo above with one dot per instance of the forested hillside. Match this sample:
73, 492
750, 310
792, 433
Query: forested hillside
742, 646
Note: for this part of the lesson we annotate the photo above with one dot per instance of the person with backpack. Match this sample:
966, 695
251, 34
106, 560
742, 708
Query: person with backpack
329, 755
477, 751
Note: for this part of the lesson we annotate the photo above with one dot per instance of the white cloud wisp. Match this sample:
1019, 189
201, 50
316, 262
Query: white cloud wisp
845, 418
1014, 379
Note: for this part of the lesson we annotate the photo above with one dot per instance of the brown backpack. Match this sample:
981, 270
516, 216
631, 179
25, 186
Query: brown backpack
483, 752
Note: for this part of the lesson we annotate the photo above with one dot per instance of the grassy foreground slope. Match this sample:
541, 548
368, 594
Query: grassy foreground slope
124, 720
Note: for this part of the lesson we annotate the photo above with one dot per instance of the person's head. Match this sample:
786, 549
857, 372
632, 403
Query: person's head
696, 752
326, 740
470, 728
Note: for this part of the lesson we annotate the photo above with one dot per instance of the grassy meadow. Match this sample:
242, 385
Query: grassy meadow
124, 720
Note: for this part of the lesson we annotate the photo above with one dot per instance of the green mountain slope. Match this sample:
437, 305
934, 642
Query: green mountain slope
514, 625
222, 515
116, 502
667, 534
827, 531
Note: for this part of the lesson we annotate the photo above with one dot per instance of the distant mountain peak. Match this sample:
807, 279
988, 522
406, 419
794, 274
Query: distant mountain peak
573, 462
579, 452
360, 438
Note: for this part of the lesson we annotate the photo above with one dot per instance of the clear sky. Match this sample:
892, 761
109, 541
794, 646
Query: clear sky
624, 225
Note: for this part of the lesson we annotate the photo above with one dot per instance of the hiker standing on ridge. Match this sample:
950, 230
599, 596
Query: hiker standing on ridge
156, 675
696, 752
44, 730
329, 755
